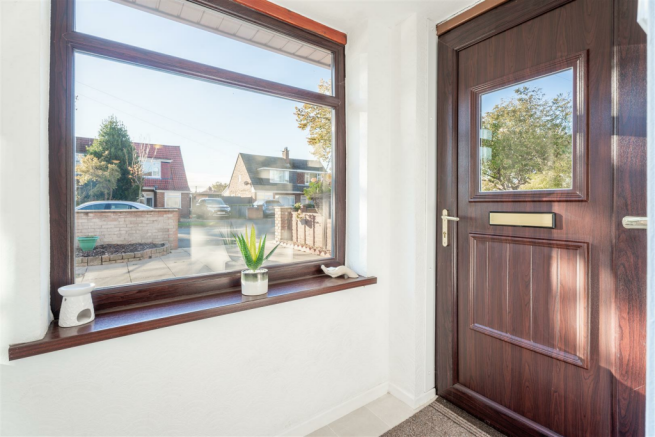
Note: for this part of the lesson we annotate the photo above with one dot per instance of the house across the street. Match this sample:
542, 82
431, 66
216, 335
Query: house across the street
270, 177
165, 184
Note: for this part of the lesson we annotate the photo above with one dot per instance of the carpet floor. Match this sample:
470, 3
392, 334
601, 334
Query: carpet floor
442, 418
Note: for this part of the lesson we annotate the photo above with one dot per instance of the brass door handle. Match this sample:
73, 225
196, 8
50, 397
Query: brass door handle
445, 218
635, 222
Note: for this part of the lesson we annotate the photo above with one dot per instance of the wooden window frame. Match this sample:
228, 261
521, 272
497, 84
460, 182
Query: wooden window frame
65, 41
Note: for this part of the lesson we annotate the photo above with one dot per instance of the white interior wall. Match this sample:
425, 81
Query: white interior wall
285, 369
24, 231
413, 191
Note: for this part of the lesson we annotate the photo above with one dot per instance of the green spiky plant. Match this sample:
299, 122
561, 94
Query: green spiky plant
253, 254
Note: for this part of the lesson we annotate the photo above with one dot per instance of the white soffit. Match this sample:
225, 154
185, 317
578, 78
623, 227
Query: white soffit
230, 27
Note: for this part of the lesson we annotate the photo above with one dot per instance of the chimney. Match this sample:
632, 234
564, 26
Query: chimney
285, 154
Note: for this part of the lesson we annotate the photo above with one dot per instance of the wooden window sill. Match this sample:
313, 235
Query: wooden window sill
125, 321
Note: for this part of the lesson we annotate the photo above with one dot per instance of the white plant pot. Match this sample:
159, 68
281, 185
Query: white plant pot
254, 283
77, 306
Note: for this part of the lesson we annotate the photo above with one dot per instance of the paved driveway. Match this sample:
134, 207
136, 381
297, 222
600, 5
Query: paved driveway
201, 250
213, 232
181, 262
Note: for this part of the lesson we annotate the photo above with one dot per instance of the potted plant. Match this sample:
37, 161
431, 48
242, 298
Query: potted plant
254, 280
87, 243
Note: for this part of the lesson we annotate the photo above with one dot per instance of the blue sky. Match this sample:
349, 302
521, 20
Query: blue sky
212, 123
552, 85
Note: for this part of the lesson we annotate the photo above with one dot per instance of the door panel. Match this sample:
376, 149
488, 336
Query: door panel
532, 294
557, 369
527, 333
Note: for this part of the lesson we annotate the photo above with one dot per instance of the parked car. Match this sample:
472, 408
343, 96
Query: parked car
207, 208
268, 206
111, 205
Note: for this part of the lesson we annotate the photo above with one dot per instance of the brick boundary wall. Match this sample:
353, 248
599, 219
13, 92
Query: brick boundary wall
283, 218
313, 232
129, 226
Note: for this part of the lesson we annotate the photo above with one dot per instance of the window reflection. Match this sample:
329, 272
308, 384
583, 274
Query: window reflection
526, 135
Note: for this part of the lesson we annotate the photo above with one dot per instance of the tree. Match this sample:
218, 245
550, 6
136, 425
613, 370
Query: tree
318, 120
318, 187
319, 193
97, 179
218, 186
530, 145
114, 146
140, 159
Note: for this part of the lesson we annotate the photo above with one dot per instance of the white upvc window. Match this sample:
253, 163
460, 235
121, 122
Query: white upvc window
309, 177
152, 169
279, 176
173, 200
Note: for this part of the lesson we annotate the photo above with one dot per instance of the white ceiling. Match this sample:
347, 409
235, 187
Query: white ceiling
345, 15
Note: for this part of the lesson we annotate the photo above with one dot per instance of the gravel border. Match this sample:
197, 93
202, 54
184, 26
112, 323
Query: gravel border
156, 252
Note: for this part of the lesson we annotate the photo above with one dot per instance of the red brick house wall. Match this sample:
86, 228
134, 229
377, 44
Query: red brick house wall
166, 170
237, 188
185, 212
160, 199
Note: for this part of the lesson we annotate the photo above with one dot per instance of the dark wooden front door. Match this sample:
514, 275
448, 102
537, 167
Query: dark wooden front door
529, 313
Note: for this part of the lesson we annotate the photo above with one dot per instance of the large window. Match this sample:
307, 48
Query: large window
187, 117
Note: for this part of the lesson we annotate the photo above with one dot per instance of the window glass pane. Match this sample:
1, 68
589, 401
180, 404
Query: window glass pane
279, 176
224, 157
94, 207
151, 169
173, 200
185, 30
526, 135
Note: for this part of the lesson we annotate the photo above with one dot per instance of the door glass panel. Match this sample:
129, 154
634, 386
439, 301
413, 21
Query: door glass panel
526, 135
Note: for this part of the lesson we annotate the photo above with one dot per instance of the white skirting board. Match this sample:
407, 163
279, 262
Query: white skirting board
410, 400
329, 416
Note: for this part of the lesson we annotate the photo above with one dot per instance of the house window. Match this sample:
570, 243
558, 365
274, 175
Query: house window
279, 176
308, 177
151, 169
141, 98
264, 196
286, 200
173, 200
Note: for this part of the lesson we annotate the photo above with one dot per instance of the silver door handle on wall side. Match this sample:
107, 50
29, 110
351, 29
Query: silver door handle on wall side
630, 222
